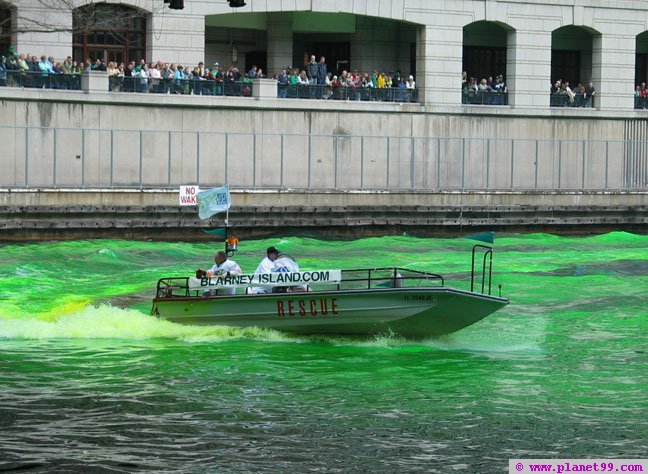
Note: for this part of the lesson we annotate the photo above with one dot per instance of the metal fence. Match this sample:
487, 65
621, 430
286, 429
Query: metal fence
92, 158
39, 80
484, 98
562, 99
358, 93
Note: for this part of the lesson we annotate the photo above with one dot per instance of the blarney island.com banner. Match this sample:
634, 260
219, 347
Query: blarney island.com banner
266, 279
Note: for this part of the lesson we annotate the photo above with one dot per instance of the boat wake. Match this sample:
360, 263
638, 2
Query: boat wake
109, 322
88, 321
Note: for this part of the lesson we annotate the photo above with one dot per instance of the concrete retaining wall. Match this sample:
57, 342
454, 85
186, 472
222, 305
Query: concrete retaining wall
151, 214
73, 139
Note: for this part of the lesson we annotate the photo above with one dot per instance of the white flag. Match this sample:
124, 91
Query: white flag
212, 201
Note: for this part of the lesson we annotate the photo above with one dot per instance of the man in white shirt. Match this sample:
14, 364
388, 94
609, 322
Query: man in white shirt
224, 267
267, 265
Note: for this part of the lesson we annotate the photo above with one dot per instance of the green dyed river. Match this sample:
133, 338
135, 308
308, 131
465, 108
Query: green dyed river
89, 382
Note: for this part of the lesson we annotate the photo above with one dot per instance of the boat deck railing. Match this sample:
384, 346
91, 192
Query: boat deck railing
356, 279
387, 278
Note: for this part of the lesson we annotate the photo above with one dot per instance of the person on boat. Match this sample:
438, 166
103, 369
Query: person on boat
223, 267
287, 264
267, 265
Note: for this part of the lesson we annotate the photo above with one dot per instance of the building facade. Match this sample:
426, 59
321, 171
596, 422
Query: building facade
531, 43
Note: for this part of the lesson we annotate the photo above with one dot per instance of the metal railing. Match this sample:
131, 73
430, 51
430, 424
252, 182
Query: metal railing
313, 91
562, 99
484, 98
149, 85
39, 80
641, 102
110, 158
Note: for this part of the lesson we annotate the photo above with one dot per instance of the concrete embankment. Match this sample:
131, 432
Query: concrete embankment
36, 215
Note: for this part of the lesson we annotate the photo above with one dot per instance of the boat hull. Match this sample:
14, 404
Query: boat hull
408, 312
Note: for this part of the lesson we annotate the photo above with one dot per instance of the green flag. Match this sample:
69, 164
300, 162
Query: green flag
487, 237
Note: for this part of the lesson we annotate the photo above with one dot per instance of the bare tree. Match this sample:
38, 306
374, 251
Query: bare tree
51, 16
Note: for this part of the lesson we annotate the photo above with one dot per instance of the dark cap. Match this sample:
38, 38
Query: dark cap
273, 250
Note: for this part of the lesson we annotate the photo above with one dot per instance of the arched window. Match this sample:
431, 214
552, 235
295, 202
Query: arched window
641, 64
571, 54
110, 32
6, 19
484, 49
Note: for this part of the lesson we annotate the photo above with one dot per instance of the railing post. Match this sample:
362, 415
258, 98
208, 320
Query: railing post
141, 156
26, 157
169, 162
254, 160
438, 176
54, 160
112, 157
281, 170
607, 149
335, 156
488, 163
583, 174
226, 158
388, 164
463, 163
362, 162
198, 158
559, 163
412, 165
512, 162
83, 159
536, 166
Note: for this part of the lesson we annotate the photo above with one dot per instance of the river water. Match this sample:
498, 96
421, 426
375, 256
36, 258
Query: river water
89, 382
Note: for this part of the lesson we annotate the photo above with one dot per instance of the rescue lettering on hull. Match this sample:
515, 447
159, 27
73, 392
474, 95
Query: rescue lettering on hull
307, 307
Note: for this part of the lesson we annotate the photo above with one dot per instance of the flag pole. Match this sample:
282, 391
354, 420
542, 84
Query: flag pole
227, 211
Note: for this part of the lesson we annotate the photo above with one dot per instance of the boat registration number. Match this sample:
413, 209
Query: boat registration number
310, 307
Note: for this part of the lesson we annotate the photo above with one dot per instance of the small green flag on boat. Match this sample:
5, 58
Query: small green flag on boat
487, 237
219, 232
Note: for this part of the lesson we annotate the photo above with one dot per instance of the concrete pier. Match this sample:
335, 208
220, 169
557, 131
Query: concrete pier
36, 215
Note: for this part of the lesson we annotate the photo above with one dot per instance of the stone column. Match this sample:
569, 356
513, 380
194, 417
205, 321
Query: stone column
613, 70
528, 68
439, 52
280, 42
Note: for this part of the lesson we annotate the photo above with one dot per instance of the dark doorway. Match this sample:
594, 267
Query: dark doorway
484, 62
337, 54
566, 65
258, 59
641, 58
641, 68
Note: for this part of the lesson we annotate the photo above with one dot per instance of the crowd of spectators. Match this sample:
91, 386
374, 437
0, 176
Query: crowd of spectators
562, 95
314, 81
170, 78
485, 92
641, 96
26, 70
